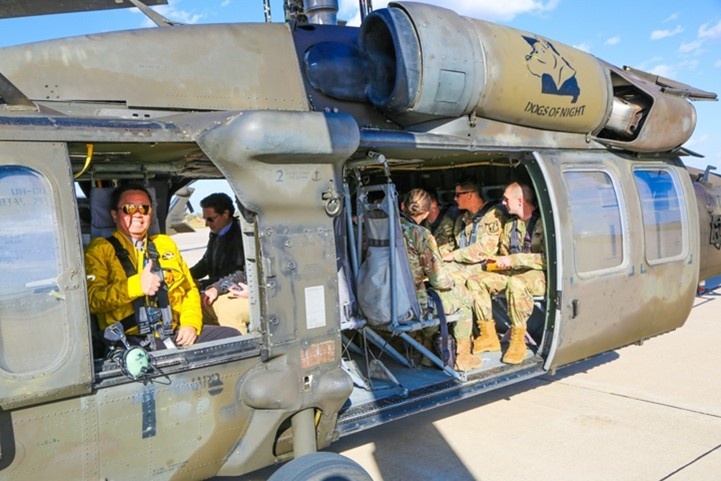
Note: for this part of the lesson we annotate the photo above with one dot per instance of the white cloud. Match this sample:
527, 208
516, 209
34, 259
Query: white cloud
703, 138
659, 34
175, 13
491, 10
697, 140
671, 18
664, 70
355, 21
706, 33
687, 47
225, 3
179, 15
348, 11
703, 143
613, 41
689, 64
586, 47
650, 64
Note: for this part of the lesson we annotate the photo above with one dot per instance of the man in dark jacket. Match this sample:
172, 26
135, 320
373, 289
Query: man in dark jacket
224, 254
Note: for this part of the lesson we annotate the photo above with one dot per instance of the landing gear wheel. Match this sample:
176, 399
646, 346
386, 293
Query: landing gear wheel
321, 466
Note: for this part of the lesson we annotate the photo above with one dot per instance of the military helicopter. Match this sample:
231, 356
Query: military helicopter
307, 120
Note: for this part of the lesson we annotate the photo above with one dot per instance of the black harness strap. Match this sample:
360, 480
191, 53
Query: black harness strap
515, 246
432, 226
161, 297
445, 352
465, 242
124, 257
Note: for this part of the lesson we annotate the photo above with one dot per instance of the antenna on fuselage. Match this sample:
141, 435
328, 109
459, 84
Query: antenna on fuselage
366, 7
704, 176
266, 11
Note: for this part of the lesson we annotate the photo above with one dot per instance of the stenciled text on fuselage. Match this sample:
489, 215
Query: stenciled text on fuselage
549, 111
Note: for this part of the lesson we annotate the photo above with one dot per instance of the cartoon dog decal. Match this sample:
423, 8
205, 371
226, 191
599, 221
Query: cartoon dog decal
557, 75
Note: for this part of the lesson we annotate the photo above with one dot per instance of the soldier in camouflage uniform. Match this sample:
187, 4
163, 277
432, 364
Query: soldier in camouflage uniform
519, 270
426, 264
476, 236
439, 221
476, 232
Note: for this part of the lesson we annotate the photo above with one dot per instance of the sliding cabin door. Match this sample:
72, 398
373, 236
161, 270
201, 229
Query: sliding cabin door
626, 245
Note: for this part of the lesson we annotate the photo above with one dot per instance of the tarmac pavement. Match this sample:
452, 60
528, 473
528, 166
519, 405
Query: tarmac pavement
641, 413
192, 244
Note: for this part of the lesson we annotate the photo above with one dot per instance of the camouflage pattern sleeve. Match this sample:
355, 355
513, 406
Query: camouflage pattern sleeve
488, 237
432, 262
504, 243
444, 235
413, 250
459, 225
424, 259
536, 259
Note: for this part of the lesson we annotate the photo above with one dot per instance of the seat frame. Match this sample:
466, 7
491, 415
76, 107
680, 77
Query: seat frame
395, 327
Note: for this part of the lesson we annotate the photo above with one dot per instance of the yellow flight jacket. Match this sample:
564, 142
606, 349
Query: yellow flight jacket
111, 292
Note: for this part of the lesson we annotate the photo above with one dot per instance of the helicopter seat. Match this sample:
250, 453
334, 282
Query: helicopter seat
386, 292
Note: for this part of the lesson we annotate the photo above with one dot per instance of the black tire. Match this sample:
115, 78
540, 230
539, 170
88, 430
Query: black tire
321, 466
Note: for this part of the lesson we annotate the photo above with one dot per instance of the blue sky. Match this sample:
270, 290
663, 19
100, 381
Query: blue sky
679, 40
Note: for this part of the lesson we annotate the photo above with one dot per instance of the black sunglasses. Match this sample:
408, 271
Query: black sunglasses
458, 194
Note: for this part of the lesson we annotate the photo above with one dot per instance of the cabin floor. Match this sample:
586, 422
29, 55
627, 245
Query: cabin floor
380, 399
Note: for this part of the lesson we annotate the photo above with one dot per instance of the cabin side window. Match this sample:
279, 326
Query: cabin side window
663, 225
596, 218
30, 264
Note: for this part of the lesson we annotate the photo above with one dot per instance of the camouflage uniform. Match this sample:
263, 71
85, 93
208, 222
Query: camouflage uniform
443, 232
525, 279
475, 238
426, 263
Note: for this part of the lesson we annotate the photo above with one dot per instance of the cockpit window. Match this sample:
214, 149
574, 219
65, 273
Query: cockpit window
663, 224
596, 216
30, 300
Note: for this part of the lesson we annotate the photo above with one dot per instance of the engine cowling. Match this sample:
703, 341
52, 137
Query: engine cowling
428, 61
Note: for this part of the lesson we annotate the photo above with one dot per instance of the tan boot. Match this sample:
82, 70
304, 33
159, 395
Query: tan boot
488, 340
428, 344
516, 351
465, 361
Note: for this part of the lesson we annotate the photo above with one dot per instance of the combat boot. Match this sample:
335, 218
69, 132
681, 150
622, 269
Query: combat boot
465, 361
416, 357
516, 351
488, 340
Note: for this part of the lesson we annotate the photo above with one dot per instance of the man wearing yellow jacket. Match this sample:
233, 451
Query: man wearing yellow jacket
123, 279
